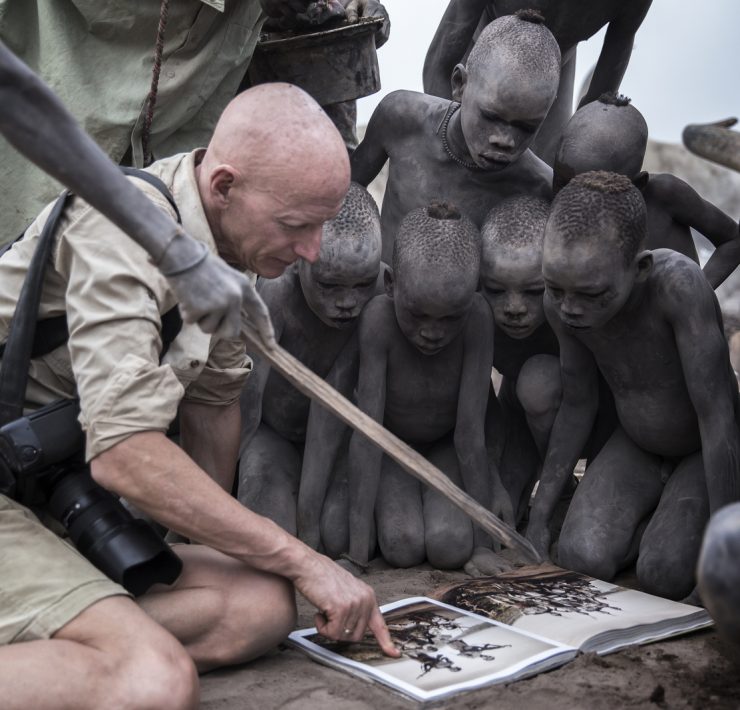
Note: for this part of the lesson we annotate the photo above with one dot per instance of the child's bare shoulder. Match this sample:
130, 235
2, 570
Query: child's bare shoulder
665, 188
376, 320
408, 111
679, 283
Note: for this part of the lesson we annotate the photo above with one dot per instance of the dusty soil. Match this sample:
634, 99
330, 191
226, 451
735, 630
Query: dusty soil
692, 671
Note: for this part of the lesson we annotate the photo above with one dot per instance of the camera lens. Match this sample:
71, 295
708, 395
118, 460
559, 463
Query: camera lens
126, 549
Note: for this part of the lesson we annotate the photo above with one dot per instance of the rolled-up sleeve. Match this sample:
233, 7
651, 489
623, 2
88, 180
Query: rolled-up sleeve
114, 299
222, 379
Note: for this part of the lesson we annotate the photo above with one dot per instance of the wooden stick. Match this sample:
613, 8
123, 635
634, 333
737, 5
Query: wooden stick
316, 388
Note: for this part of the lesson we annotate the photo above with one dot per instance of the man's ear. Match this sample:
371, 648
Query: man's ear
640, 180
221, 182
644, 262
388, 281
459, 81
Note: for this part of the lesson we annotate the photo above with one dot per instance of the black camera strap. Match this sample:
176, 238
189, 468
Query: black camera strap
28, 337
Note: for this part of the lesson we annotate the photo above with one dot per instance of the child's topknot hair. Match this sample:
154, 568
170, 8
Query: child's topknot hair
531, 15
613, 98
443, 210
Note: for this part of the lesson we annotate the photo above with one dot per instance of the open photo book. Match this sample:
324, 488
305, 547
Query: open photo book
499, 629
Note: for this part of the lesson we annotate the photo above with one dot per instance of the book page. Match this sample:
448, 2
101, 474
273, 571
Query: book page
569, 607
444, 650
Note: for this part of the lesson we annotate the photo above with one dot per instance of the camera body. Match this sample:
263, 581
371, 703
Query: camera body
41, 463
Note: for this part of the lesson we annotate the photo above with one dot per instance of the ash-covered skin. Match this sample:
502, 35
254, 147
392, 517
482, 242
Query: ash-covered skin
511, 268
719, 574
611, 134
505, 93
314, 309
650, 323
464, 20
425, 364
343, 280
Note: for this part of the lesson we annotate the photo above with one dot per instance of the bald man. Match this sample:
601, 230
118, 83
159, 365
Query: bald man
258, 196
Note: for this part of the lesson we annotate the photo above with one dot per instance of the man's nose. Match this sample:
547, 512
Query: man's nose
307, 246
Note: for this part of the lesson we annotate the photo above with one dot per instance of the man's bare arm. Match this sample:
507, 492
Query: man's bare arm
569, 431
470, 441
209, 434
450, 43
36, 123
616, 50
159, 478
687, 207
694, 314
365, 458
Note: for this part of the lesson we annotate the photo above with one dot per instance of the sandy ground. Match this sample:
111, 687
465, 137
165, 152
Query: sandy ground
692, 671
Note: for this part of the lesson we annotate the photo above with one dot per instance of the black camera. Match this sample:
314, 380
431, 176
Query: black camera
41, 464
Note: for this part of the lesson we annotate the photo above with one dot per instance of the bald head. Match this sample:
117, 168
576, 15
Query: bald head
522, 44
277, 130
275, 170
609, 134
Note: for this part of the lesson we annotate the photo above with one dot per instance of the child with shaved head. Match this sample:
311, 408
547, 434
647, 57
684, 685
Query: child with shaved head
611, 134
650, 323
474, 150
425, 368
525, 350
314, 309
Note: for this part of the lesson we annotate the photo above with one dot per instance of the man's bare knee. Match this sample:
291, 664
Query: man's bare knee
135, 663
538, 386
259, 612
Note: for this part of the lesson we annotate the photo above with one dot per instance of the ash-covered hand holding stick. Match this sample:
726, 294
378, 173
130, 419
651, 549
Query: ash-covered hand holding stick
36, 123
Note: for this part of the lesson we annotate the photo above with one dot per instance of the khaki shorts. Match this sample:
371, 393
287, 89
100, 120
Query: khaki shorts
44, 581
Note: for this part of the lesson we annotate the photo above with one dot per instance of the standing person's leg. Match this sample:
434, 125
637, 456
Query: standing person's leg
619, 489
670, 546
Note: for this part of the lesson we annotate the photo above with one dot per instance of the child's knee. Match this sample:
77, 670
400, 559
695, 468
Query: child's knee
402, 546
582, 553
450, 548
538, 386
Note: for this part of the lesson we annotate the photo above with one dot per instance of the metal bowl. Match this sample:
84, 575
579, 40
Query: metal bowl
334, 65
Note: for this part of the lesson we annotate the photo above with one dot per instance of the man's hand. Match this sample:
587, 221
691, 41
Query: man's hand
213, 295
357, 9
347, 607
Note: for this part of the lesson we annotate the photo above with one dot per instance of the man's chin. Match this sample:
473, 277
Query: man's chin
270, 268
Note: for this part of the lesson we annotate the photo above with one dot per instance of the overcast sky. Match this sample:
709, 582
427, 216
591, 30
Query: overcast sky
685, 67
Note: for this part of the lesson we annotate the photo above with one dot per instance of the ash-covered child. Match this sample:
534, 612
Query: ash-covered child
472, 151
314, 309
650, 323
611, 134
570, 25
525, 351
425, 373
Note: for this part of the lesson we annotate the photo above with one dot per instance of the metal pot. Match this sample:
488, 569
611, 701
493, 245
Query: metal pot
334, 65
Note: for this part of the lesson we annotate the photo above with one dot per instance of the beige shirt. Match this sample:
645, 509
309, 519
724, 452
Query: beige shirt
97, 56
114, 298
